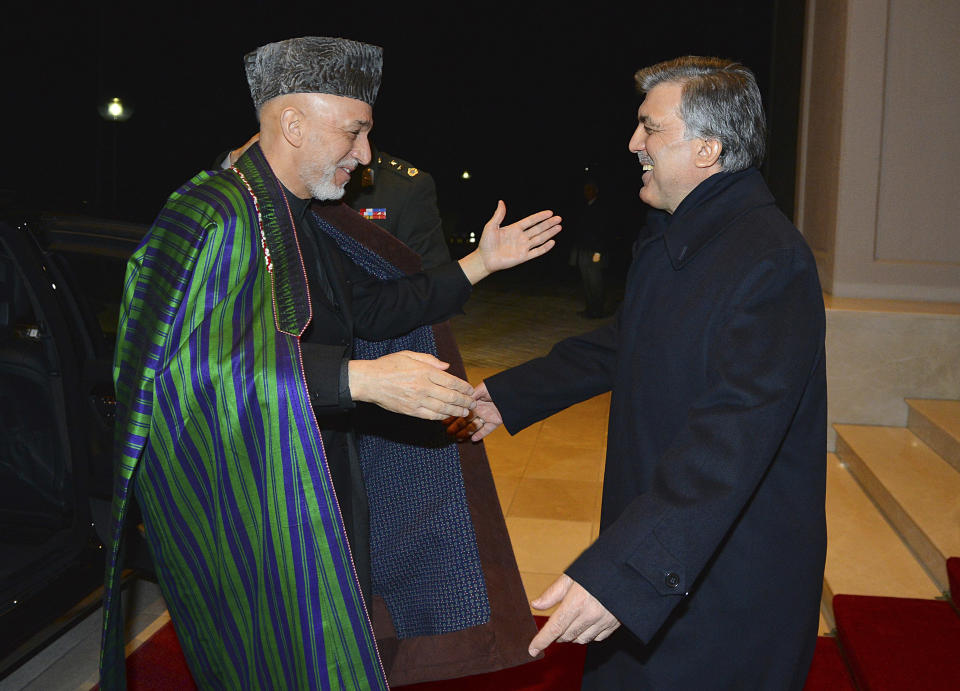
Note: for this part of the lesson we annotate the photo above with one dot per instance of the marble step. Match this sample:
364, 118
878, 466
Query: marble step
937, 423
865, 555
917, 491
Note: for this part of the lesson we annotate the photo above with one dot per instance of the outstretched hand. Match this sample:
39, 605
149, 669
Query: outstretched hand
481, 421
501, 247
579, 618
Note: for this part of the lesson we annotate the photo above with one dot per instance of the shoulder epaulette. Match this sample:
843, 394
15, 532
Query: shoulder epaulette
398, 166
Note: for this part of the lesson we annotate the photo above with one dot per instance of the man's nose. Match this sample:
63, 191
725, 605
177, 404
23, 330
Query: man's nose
362, 150
637, 141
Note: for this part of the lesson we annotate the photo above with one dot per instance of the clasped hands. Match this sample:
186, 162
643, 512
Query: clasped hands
579, 616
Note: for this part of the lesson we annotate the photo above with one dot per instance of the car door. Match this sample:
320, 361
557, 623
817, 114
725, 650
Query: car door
44, 513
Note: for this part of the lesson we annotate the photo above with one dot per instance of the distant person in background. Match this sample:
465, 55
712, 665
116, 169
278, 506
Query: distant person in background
394, 194
592, 248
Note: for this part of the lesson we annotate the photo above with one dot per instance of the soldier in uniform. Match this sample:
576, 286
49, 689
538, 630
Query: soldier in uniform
401, 199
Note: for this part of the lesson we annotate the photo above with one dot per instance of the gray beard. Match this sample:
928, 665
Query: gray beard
325, 190
319, 181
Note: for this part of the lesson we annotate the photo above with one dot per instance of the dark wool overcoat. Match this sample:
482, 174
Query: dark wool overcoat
713, 535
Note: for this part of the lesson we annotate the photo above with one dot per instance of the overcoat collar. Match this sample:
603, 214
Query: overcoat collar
708, 210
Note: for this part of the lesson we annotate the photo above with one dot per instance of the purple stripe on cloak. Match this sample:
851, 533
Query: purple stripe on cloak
334, 532
334, 535
290, 482
311, 593
202, 579
254, 436
198, 481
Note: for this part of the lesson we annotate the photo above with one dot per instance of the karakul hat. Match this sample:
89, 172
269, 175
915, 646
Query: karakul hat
314, 65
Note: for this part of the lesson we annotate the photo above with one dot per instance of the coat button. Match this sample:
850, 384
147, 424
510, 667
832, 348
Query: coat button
671, 579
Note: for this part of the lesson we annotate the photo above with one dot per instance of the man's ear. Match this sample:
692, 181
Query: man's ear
293, 126
709, 153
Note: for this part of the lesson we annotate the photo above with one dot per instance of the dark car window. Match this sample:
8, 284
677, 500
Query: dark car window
34, 470
98, 290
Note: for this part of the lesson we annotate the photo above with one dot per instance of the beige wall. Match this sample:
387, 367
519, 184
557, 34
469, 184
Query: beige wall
877, 196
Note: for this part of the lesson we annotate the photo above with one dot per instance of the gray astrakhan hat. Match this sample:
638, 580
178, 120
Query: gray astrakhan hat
314, 65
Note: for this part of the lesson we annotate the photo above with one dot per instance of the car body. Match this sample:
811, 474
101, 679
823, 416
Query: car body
61, 281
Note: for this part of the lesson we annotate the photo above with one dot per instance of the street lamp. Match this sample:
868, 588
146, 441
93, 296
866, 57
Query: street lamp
115, 111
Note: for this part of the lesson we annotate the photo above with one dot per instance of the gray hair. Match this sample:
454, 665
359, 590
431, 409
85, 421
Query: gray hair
719, 100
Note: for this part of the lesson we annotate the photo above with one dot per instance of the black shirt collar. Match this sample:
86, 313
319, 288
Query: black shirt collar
298, 206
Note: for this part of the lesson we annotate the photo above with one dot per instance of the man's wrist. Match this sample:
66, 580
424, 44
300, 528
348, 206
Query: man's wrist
473, 267
355, 379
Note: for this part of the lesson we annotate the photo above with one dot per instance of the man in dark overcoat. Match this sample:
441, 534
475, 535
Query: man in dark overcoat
712, 539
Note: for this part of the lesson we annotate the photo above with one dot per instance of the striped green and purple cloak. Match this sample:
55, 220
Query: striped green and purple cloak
216, 434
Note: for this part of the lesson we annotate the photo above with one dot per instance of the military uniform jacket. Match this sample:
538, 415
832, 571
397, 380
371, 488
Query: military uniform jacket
402, 200
712, 540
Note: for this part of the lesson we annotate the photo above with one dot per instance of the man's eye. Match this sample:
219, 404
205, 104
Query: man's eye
648, 130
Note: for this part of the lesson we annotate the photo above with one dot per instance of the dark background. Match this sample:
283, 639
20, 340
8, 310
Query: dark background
523, 95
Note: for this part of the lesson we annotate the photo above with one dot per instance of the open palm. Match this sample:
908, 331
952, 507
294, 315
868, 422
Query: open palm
503, 247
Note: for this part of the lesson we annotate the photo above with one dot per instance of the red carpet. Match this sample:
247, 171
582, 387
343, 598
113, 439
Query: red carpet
159, 665
899, 643
890, 644
828, 672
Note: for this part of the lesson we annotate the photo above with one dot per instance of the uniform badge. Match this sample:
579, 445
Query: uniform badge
412, 171
374, 214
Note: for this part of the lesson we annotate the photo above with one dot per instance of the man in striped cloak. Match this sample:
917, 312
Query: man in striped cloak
272, 355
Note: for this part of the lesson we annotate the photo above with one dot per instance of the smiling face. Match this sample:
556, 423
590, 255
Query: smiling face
335, 143
673, 164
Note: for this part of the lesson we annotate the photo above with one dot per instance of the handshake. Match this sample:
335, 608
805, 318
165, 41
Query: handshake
480, 421
417, 384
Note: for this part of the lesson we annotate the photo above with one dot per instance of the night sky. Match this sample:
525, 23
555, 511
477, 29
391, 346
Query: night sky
524, 98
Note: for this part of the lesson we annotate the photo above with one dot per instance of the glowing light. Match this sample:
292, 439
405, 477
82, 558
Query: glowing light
465, 175
115, 110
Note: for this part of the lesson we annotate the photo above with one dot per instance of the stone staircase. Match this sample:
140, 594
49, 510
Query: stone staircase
893, 521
